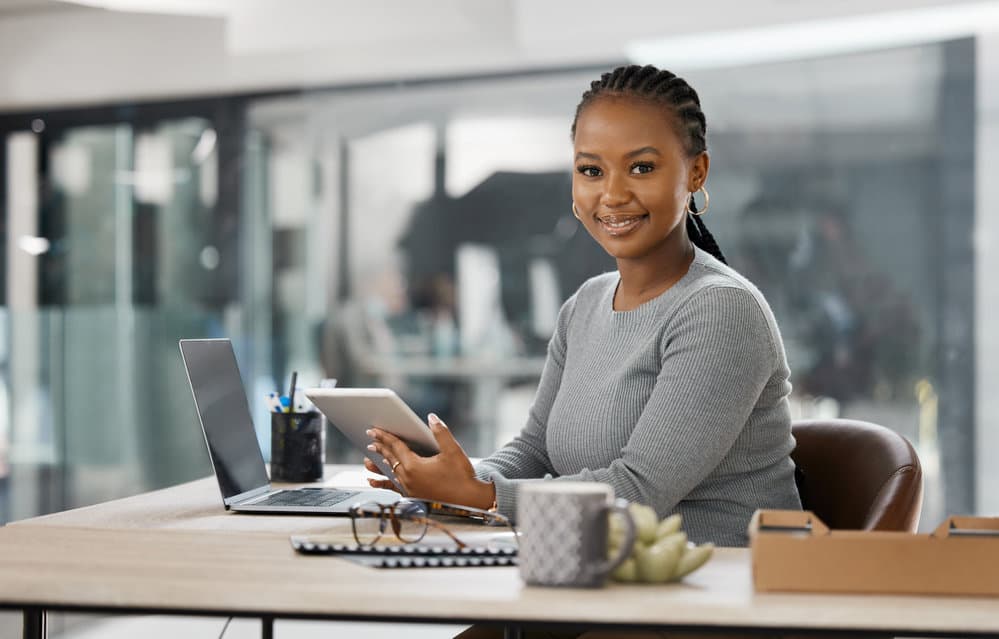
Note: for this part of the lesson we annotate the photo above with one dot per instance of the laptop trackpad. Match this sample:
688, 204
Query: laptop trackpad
381, 496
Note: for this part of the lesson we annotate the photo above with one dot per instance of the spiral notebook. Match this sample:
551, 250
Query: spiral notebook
411, 555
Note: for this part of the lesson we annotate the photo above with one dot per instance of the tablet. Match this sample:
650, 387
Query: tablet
354, 410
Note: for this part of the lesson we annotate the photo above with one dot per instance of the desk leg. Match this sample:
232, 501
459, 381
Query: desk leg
34, 623
267, 628
513, 632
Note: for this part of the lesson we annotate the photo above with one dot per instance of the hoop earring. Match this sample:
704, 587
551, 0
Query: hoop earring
575, 213
707, 201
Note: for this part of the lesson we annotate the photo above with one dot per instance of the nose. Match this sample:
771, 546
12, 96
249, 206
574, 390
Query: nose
616, 192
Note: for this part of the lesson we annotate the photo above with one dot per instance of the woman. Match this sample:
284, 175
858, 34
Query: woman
667, 379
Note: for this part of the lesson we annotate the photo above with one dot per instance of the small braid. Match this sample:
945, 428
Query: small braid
693, 232
665, 88
705, 240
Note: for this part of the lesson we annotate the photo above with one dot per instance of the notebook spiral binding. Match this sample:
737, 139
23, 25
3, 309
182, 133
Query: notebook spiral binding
411, 555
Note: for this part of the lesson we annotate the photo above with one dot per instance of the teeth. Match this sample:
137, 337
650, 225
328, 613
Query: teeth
618, 222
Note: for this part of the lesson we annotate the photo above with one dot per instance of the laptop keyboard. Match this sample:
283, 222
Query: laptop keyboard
307, 497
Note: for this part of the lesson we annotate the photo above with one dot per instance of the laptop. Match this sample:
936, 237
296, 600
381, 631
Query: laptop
232, 442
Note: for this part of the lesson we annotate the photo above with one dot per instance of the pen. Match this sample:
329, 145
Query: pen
291, 392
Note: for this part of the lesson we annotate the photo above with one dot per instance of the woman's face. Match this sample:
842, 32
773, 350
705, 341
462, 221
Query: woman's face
632, 177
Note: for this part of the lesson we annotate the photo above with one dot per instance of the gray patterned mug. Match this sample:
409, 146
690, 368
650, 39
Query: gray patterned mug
564, 527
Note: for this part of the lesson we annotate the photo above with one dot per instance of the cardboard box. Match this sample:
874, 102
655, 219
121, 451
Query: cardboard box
795, 551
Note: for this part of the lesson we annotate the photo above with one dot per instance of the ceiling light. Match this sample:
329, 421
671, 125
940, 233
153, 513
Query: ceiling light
218, 8
33, 245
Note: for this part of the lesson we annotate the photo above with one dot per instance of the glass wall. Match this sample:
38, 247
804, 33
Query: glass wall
419, 236
130, 241
847, 196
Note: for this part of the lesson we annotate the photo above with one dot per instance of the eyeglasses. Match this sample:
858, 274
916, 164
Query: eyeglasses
410, 519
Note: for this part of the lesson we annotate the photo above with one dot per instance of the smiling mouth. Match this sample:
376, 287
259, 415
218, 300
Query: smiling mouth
618, 225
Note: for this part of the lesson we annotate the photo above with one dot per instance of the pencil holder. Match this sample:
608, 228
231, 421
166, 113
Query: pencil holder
298, 446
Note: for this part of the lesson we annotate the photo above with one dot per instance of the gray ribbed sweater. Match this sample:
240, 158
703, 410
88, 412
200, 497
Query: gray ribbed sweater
680, 403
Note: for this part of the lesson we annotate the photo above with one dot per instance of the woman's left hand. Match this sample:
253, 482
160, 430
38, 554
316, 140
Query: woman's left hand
447, 476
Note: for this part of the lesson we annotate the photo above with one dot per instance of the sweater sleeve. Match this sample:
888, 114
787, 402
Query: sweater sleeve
717, 355
527, 455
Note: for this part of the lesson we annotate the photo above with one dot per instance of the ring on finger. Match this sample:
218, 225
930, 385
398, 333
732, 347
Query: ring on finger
397, 462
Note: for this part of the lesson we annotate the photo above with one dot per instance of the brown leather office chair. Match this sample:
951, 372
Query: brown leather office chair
857, 475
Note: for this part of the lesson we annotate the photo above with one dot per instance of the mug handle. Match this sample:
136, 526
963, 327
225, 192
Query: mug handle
631, 534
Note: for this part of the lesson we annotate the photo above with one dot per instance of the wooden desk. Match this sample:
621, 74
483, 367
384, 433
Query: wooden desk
175, 551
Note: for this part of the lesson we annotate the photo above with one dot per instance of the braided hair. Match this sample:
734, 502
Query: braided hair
664, 88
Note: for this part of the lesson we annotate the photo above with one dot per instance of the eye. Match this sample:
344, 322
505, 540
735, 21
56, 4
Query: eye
640, 168
588, 171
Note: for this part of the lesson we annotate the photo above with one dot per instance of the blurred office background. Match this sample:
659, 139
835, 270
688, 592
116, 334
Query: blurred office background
378, 192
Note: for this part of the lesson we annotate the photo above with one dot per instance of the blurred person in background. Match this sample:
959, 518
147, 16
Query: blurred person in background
385, 325
851, 333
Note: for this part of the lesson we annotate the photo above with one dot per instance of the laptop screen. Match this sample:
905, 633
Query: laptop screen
225, 415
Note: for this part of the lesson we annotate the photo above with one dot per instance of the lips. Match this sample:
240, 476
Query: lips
620, 224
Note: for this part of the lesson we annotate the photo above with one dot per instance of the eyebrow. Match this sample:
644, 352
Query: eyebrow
645, 149
642, 151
